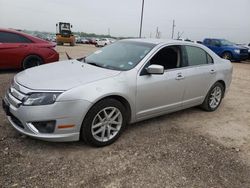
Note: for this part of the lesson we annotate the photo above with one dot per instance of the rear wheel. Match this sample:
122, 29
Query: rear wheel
227, 55
104, 123
214, 97
31, 61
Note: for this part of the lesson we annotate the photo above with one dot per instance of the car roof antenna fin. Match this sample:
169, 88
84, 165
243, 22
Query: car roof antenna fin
68, 56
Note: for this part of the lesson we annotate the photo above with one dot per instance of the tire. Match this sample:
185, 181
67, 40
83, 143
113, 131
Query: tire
96, 125
72, 44
227, 55
207, 104
31, 61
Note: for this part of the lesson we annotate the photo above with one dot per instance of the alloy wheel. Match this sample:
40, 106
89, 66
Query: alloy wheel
106, 124
215, 97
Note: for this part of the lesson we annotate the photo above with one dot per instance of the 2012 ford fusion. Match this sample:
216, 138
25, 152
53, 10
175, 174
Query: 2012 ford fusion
93, 98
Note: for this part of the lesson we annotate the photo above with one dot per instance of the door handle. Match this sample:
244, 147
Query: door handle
212, 71
179, 76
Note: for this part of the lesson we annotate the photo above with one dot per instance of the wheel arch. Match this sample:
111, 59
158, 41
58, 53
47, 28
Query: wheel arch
33, 54
121, 99
224, 85
226, 51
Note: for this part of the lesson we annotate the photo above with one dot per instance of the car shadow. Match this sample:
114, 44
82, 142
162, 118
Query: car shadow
133, 128
9, 71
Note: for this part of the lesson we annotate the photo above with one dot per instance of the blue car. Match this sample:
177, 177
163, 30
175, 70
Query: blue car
227, 49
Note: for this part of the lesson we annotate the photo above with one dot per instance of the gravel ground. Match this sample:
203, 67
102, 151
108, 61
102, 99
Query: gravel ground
190, 148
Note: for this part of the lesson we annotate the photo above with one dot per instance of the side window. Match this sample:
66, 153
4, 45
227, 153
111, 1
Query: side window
196, 56
208, 41
168, 57
215, 42
6, 37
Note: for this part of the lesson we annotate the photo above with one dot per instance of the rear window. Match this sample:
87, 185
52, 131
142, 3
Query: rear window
197, 56
6, 37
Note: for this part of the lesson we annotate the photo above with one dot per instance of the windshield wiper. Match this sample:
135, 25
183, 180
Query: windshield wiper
81, 59
95, 64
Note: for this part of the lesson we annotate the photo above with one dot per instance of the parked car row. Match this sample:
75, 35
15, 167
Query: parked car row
94, 41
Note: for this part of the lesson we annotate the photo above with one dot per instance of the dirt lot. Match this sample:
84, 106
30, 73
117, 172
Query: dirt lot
191, 148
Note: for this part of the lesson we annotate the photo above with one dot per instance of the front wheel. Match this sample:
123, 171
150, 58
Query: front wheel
104, 123
227, 55
214, 97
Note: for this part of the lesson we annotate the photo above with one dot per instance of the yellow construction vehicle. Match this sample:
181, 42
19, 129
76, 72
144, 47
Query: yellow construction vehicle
64, 34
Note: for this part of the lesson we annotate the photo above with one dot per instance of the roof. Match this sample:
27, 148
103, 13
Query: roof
159, 41
33, 38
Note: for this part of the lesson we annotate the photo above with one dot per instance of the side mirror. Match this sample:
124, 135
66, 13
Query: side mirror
71, 26
56, 25
155, 69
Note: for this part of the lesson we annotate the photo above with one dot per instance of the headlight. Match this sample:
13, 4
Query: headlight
237, 51
40, 99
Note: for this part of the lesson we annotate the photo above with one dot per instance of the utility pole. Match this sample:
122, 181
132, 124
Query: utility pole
157, 35
173, 29
142, 9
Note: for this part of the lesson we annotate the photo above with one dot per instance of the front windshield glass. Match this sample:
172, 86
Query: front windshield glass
226, 43
121, 55
66, 32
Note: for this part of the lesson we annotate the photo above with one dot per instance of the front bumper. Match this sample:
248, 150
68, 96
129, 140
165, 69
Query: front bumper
63, 113
240, 57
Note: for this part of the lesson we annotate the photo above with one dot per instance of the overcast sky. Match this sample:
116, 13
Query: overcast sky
197, 19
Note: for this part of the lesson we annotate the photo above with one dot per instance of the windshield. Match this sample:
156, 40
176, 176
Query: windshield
122, 55
226, 43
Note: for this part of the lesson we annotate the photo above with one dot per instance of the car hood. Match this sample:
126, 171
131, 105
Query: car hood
62, 75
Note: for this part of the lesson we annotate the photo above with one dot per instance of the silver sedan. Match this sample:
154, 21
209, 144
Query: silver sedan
93, 98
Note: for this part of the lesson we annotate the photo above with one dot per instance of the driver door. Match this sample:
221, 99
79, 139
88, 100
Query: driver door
159, 94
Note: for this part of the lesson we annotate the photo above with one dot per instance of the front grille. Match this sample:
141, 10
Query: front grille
16, 121
244, 51
14, 96
13, 100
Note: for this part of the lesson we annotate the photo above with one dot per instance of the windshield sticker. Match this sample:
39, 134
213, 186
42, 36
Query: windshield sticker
130, 63
121, 66
98, 51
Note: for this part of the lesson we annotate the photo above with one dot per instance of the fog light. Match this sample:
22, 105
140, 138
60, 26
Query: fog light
45, 126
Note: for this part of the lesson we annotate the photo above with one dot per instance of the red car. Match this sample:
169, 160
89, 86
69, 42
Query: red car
20, 50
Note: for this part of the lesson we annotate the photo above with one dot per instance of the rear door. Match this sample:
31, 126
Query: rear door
199, 75
13, 49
